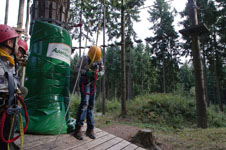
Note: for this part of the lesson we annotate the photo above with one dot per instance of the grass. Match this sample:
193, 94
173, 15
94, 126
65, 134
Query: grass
172, 117
174, 139
194, 139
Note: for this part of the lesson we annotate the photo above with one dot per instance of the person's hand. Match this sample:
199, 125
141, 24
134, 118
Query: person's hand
98, 75
89, 74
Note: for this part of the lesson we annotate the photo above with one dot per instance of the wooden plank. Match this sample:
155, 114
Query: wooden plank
108, 144
30, 138
120, 145
97, 130
103, 141
140, 148
130, 147
95, 142
43, 141
67, 143
100, 134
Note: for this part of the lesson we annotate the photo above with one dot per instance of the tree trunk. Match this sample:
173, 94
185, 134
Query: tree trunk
80, 32
6, 11
199, 81
52, 11
129, 75
146, 138
216, 74
20, 14
20, 26
164, 74
103, 80
205, 80
219, 94
123, 60
27, 18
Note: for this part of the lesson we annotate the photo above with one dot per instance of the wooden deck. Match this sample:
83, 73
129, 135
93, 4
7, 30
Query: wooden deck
103, 141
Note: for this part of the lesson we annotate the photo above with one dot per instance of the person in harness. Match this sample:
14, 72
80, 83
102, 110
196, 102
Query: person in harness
22, 52
8, 47
9, 98
22, 60
92, 68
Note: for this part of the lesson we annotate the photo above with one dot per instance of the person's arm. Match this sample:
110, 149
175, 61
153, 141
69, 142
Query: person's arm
3, 80
101, 68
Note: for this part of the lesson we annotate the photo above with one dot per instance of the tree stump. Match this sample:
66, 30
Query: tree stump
146, 139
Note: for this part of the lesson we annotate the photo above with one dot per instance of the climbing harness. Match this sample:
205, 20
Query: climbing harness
94, 84
12, 109
2, 122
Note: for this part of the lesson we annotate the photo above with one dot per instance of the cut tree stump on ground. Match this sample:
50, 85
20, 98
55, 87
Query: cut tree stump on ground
146, 139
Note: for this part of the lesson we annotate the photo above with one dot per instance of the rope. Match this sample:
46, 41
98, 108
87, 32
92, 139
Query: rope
98, 30
2, 122
54, 143
11, 128
21, 130
76, 82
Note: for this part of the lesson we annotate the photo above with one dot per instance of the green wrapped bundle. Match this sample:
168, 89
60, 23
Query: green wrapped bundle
48, 79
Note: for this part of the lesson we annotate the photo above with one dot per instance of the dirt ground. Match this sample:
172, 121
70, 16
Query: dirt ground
127, 132
124, 131
186, 139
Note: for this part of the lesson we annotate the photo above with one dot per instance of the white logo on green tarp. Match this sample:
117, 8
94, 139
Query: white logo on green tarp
59, 51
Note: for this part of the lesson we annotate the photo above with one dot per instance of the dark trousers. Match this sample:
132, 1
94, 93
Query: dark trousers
86, 106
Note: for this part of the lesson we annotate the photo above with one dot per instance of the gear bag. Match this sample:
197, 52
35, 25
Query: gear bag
48, 79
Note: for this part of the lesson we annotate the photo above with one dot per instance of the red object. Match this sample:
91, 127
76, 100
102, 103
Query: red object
6, 33
78, 25
94, 85
23, 45
2, 123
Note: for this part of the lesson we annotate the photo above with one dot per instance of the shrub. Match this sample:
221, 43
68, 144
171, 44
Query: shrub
75, 101
215, 118
111, 106
162, 110
166, 109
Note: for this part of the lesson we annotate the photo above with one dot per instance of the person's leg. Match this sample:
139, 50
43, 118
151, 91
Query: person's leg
82, 112
90, 115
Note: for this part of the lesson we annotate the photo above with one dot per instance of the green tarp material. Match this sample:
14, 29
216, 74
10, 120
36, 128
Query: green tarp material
48, 79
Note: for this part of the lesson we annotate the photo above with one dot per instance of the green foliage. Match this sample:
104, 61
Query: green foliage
164, 111
92, 11
164, 45
73, 72
112, 105
163, 49
186, 77
216, 118
75, 101
212, 13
